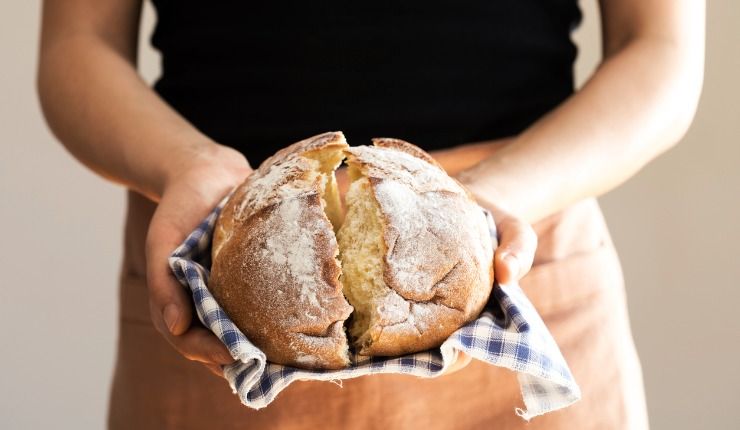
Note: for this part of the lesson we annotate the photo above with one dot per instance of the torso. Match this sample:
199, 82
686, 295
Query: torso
260, 75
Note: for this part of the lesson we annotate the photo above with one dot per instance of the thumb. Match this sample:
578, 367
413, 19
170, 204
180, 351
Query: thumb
518, 243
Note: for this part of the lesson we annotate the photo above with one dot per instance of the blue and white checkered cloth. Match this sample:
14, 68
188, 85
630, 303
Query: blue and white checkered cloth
509, 333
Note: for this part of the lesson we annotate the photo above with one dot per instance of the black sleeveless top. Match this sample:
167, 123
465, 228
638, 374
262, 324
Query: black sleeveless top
260, 75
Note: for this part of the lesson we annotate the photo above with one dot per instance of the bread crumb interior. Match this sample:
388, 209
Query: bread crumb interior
328, 162
361, 253
360, 239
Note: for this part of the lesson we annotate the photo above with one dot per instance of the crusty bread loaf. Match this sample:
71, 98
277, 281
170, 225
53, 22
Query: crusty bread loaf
412, 255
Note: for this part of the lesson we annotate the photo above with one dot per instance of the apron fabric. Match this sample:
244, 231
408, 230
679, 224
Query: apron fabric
576, 285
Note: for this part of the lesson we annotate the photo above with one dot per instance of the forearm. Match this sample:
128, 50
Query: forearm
107, 117
637, 104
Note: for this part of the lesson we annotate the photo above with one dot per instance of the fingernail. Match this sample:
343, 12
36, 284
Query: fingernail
513, 263
171, 315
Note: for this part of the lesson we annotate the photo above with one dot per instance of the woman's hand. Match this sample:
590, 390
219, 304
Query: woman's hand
194, 186
517, 244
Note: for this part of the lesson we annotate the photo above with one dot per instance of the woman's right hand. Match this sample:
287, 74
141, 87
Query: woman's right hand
194, 185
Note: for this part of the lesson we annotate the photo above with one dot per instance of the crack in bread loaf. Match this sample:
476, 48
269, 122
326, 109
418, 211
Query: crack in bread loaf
411, 261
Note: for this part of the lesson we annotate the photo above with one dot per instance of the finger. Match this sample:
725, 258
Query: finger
514, 256
172, 305
198, 344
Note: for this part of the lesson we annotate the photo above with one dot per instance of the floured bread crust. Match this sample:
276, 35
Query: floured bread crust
274, 268
437, 253
415, 261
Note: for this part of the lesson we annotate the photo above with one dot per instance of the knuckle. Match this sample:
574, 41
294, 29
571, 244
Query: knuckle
525, 232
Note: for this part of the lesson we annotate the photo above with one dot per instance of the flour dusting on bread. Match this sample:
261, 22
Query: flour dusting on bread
432, 251
294, 250
275, 269
412, 255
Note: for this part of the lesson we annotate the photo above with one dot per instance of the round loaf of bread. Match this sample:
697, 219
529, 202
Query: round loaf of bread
408, 264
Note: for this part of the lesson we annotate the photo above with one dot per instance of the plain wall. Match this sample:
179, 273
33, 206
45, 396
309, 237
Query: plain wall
675, 225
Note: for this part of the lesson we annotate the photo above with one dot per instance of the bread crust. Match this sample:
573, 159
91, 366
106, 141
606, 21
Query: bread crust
274, 268
274, 259
438, 253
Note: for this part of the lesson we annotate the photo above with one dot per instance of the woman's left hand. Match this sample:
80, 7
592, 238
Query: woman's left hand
517, 244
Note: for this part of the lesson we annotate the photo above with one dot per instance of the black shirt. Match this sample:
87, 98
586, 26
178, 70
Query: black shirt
260, 75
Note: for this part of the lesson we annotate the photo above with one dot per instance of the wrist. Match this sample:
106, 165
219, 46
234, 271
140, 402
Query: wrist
484, 193
221, 164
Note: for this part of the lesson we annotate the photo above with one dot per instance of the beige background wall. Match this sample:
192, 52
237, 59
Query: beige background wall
675, 224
